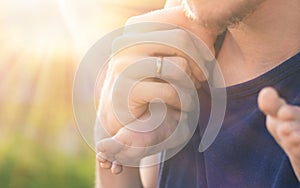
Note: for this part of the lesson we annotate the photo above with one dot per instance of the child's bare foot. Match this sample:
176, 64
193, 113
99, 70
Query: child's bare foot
128, 146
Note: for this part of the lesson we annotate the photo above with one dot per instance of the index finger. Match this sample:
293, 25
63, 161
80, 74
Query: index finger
175, 42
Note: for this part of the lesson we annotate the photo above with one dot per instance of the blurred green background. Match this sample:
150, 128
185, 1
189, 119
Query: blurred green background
41, 45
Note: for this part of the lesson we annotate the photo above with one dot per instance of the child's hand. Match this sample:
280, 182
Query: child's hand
283, 122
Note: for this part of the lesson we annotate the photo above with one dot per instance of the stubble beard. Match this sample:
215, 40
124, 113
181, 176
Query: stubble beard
219, 14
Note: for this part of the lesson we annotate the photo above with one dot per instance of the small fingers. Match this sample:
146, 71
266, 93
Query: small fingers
294, 138
269, 102
277, 129
284, 131
289, 113
290, 142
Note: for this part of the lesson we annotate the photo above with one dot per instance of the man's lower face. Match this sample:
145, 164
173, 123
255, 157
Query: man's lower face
221, 13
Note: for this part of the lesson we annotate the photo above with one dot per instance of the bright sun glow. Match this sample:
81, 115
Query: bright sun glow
38, 57
34, 25
42, 42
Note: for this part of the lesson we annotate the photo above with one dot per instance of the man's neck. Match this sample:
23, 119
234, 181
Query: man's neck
262, 41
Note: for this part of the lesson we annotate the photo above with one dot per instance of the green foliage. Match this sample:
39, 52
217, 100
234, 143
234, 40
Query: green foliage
28, 164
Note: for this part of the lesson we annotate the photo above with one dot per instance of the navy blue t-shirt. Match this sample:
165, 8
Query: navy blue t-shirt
244, 154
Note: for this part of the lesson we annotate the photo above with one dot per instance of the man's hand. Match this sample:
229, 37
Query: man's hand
283, 122
113, 149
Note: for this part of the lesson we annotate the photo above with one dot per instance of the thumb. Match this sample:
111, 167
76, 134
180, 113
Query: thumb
269, 102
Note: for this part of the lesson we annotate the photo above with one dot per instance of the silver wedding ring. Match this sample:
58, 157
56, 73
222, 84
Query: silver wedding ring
158, 69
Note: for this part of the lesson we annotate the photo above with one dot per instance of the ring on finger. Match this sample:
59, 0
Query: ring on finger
158, 69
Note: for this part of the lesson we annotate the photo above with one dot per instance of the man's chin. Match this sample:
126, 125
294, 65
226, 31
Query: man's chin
219, 14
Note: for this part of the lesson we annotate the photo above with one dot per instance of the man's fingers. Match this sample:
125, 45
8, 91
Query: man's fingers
166, 42
180, 69
269, 102
145, 92
174, 42
173, 69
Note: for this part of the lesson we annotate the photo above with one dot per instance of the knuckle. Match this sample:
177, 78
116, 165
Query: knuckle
181, 34
132, 20
186, 98
182, 37
188, 103
271, 123
271, 129
179, 68
169, 93
116, 66
182, 64
284, 130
